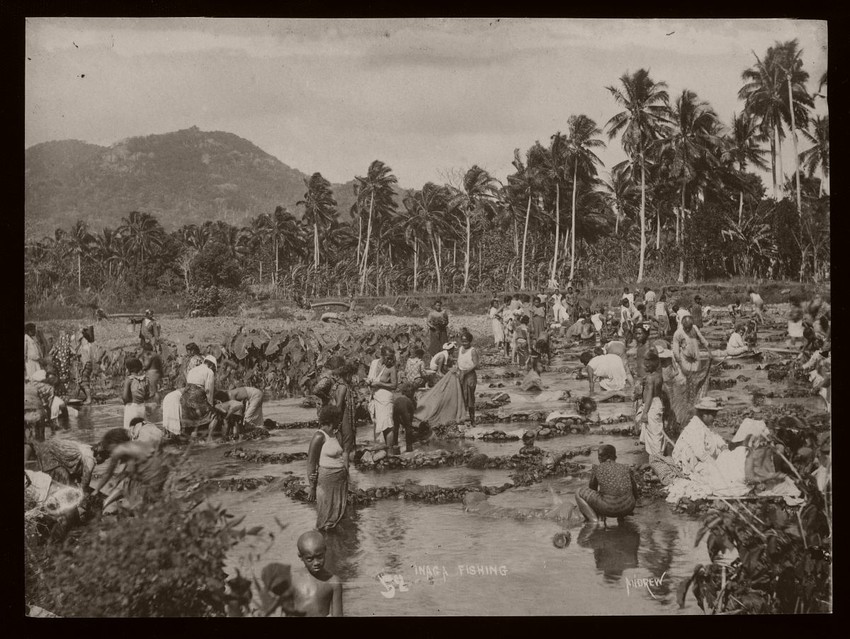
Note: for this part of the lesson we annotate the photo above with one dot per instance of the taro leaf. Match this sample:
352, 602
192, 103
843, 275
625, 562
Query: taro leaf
273, 346
239, 346
371, 339
301, 340
254, 531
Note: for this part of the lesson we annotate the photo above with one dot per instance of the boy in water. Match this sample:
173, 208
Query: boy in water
316, 592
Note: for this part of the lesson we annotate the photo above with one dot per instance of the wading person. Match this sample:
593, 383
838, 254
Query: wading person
66, 461
758, 305
38, 399
383, 380
171, 412
559, 310
196, 402
61, 356
439, 364
611, 492
438, 327
194, 358
414, 369
327, 470
523, 339
32, 351
496, 323
404, 408
252, 401
144, 431
345, 399
467, 363
86, 354
143, 475
135, 391
662, 317
686, 345
625, 318
696, 311
152, 364
607, 369
538, 319
651, 418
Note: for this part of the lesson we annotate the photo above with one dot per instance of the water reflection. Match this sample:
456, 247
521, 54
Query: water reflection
615, 548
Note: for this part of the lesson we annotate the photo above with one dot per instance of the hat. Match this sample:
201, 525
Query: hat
39, 375
210, 358
449, 346
707, 403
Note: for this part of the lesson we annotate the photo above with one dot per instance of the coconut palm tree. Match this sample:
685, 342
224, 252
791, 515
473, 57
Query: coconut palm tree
142, 233
620, 192
797, 101
79, 243
521, 191
478, 198
817, 157
742, 146
319, 208
646, 107
584, 162
376, 189
425, 212
687, 140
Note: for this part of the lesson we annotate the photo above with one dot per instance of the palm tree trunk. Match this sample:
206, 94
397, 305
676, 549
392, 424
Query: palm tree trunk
573, 224
316, 244
657, 228
682, 231
516, 231
79, 272
617, 221
642, 217
557, 226
524, 242
415, 263
437, 266
276, 262
741, 208
359, 235
794, 137
466, 257
366, 248
780, 173
773, 165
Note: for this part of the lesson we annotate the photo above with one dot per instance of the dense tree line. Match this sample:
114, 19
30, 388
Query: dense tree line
683, 205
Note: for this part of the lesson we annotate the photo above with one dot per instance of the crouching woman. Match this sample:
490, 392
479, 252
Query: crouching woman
612, 491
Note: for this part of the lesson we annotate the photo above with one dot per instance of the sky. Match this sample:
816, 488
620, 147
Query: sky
428, 97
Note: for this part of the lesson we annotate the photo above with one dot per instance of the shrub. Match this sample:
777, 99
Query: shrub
166, 561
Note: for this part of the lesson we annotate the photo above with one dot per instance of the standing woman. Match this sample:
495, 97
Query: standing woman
345, 399
538, 320
135, 392
383, 379
467, 363
152, 363
327, 468
522, 341
496, 321
438, 325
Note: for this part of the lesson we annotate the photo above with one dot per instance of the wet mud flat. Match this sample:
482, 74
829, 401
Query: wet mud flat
410, 520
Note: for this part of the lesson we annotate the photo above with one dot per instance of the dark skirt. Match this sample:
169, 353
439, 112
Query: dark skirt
438, 338
467, 388
538, 326
331, 497
607, 505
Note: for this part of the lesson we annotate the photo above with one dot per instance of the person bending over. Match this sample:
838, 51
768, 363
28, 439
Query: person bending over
611, 492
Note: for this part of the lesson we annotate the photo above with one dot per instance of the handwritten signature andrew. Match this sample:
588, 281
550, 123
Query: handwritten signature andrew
644, 582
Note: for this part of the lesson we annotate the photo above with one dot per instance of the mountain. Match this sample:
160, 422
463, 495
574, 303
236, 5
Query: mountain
184, 177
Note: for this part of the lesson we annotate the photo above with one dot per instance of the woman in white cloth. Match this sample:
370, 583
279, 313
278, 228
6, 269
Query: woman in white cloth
736, 344
697, 443
382, 379
559, 310
496, 321
171, 412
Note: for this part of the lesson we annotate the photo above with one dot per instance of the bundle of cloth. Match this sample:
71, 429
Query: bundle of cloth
712, 470
443, 404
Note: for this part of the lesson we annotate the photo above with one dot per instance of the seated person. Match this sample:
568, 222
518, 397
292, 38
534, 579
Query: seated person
608, 369
574, 332
736, 345
698, 443
588, 332
611, 492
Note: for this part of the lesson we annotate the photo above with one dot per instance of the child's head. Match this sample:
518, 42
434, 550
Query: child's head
507, 299
626, 289
607, 452
419, 353
408, 390
133, 365
311, 550
697, 299
641, 307
221, 396
585, 357
624, 302
524, 319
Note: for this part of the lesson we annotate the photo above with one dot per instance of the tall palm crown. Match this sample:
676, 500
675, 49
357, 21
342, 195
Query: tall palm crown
689, 137
319, 208
818, 154
581, 142
645, 104
742, 144
142, 233
787, 57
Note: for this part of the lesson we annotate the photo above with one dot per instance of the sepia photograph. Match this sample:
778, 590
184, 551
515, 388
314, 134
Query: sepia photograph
430, 317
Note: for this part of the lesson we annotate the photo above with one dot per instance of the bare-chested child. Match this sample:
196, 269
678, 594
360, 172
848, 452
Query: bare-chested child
652, 412
316, 592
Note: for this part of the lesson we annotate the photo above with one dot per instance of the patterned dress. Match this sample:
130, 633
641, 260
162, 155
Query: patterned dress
611, 491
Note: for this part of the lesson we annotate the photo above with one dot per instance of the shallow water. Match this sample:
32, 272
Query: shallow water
477, 565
